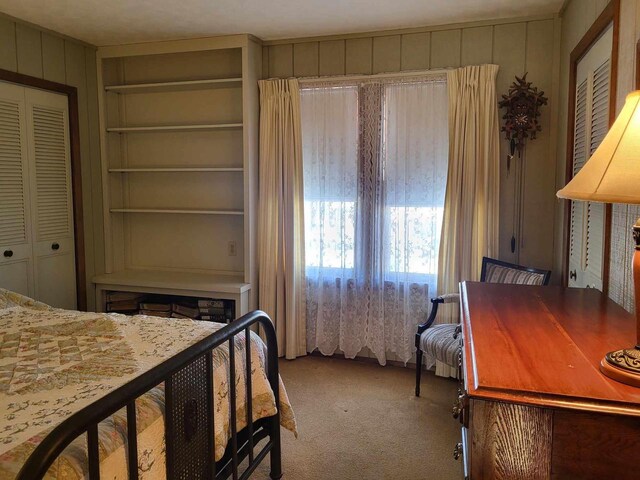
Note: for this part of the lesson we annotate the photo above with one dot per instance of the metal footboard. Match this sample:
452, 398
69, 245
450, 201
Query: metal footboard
189, 414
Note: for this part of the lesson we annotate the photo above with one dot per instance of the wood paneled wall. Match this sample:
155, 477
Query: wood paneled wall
576, 19
28, 50
517, 46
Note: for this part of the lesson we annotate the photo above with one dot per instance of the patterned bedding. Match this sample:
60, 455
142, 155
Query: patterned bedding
54, 362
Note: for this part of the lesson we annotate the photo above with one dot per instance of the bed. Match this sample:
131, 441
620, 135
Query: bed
90, 394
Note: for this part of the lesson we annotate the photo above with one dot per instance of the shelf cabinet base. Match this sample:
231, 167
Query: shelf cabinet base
184, 284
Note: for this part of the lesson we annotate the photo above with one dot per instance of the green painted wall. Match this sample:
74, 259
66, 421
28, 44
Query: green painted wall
28, 50
517, 46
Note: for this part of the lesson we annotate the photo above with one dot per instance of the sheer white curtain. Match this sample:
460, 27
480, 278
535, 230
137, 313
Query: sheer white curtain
330, 166
375, 168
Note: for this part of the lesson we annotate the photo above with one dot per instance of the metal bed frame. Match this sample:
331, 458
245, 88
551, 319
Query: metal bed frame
189, 408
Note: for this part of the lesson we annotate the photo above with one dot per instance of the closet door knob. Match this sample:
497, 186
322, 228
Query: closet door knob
55, 246
8, 253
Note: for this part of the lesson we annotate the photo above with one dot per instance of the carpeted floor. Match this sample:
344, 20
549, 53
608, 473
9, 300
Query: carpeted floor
360, 421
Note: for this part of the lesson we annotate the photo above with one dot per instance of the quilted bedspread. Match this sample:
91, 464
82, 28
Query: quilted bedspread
54, 362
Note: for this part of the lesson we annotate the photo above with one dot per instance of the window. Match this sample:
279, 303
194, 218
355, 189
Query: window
330, 150
375, 168
413, 146
414, 157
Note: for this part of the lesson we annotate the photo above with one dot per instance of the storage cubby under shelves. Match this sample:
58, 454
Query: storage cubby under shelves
157, 87
168, 282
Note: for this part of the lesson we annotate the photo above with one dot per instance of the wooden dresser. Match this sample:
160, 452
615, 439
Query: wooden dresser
533, 402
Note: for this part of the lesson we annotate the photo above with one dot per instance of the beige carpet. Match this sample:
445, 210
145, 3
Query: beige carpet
358, 420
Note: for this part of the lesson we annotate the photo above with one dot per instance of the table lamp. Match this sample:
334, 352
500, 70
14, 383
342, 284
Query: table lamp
612, 175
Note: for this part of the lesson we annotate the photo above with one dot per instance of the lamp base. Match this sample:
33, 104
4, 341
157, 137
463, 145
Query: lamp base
623, 366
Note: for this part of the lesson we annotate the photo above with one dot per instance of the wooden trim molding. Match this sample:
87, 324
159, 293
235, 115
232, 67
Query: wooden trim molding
76, 176
610, 14
637, 83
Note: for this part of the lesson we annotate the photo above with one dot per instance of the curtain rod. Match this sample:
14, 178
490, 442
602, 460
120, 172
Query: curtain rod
412, 73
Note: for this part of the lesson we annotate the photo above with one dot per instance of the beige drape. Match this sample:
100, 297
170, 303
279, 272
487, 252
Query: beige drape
281, 210
470, 222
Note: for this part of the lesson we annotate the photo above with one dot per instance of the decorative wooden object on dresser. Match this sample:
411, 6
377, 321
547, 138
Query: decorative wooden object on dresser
533, 403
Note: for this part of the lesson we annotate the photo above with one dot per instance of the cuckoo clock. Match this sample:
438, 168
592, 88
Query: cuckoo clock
522, 103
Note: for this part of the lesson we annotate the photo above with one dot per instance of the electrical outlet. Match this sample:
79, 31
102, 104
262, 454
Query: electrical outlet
232, 249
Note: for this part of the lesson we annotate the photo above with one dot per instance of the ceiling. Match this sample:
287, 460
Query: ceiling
111, 22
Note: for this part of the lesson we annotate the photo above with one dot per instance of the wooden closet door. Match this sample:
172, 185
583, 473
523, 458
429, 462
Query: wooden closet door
51, 201
16, 269
586, 247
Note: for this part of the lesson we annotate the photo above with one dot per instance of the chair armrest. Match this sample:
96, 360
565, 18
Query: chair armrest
446, 298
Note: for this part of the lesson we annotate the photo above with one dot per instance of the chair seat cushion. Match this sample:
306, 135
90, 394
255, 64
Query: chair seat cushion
437, 342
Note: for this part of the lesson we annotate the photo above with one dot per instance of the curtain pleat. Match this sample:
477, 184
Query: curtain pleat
281, 215
470, 226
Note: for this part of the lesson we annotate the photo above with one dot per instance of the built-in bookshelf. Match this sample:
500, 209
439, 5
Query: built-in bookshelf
179, 145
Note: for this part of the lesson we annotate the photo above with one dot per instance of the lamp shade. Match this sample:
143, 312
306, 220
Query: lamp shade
612, 174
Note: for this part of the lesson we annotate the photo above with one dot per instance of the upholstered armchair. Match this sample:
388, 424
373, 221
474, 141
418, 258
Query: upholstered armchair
440, 341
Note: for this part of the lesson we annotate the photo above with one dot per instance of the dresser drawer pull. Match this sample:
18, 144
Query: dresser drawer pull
55, 246
457, 451
459, 405
8, 253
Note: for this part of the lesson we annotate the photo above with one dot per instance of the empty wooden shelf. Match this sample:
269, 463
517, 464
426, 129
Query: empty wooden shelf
175, 169
177, 211
175, 86
173, 128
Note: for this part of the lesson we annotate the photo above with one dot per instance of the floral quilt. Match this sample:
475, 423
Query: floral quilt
54, 362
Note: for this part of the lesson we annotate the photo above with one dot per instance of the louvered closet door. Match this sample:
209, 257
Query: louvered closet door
578, 208
51, 202
591, 125
16, 272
